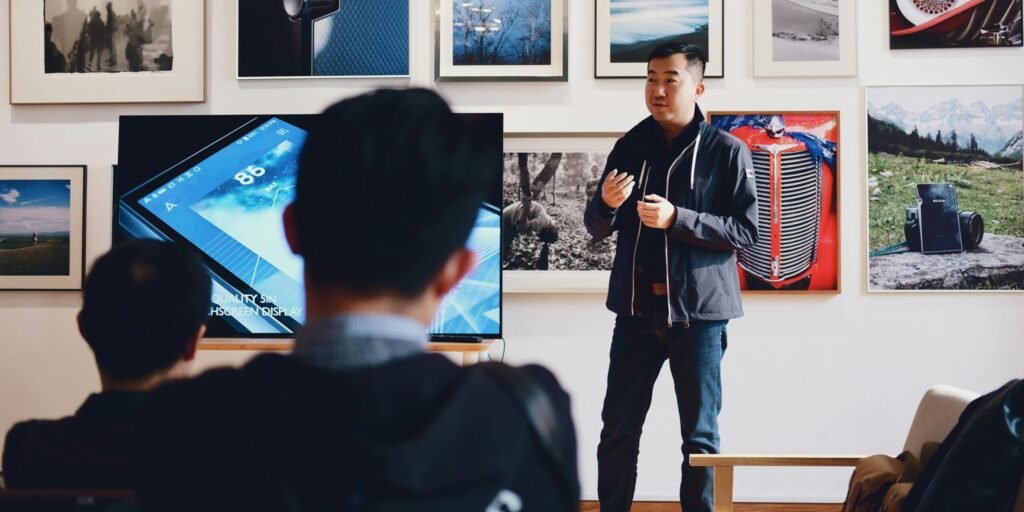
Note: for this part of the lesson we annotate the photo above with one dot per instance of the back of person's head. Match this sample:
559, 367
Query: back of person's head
695, 58
389, 187
144, 303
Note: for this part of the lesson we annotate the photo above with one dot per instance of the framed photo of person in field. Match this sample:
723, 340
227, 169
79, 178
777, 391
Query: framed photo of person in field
42, 227
546, 184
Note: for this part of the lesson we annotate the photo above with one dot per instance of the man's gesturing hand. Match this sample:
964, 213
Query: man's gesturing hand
616, 188
656, 212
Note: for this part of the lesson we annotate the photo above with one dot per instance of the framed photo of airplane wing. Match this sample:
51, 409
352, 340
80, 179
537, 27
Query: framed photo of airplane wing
796, 38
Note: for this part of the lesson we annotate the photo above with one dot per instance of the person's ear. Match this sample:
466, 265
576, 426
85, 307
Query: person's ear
291, 228
81, 323
458, 265
193, 344
699, 91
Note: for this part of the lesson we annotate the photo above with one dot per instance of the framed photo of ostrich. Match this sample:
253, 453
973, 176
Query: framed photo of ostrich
548, 179
796, 170
501, 40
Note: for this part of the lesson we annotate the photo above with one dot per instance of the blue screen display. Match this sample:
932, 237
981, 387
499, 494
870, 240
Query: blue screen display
229, 205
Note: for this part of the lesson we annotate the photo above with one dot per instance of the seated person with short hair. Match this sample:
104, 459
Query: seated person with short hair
359, 416
144, 309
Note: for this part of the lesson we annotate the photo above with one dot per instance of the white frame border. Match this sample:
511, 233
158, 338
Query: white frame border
446, 71
605, 68
31, 85
76, 174
764, 66
557, 281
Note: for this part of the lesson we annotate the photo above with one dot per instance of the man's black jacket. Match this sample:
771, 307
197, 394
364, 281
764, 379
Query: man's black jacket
711, 183
419, 433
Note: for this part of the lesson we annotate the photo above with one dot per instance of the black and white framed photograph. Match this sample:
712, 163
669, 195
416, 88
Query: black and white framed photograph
501, 40
42, 227
323, 39
626, 31
805, 38
547, 182
107, 51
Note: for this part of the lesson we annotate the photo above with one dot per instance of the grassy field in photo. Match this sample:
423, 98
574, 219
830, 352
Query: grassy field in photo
996, 194
51, 256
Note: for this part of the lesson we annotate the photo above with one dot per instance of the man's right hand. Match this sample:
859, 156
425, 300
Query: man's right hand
616, 188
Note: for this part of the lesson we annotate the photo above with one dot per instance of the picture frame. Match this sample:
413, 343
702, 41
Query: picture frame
796, 159
959, 24
973, 149
540, 55
164, 57
620, 50
42, 227
326, 39
574, 264
805, 38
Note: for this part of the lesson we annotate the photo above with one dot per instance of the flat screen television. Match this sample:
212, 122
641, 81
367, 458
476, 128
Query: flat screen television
220, 185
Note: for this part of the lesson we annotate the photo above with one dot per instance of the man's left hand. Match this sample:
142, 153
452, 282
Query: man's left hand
656, 212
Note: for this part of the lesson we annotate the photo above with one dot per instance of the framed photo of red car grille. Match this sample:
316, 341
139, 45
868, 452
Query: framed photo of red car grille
795, 159
954, 23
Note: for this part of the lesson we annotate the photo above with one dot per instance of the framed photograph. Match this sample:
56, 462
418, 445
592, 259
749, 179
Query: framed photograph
547, 182
107, 51
626, 31
954, 23
794, 38
323, 38
945, 186
501, 40
42, 227
796, 170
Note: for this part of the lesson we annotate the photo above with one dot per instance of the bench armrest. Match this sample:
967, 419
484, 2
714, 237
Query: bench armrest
774, 460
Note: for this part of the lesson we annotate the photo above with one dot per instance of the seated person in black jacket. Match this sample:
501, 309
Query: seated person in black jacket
145, 305
359, 416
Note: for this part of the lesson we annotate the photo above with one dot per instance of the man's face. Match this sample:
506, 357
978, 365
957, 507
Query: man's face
671, 91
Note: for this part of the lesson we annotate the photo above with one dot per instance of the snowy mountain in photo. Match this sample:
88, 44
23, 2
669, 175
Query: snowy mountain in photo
994, 126
1013, 148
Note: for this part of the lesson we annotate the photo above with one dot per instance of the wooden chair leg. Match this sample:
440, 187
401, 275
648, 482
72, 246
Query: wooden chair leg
723, 489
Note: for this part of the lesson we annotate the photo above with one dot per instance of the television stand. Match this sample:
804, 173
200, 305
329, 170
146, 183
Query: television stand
470, 350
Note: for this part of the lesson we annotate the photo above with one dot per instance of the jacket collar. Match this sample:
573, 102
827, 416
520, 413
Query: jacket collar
640, 136
112, 405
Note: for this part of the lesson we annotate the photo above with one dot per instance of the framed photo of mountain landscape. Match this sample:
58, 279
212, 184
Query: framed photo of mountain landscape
954, 24
795, 38
42, 227
626, 31
107, 51
547, 182
796, 172
945, 184
501, 40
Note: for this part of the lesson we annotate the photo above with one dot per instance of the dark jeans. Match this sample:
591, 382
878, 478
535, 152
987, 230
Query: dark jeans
639, 350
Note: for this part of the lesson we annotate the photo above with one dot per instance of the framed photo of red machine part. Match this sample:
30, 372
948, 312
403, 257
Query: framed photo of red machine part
954, 23
796, 169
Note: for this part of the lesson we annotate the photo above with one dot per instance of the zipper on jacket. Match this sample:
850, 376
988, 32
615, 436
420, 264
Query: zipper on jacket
668, 277
636, 243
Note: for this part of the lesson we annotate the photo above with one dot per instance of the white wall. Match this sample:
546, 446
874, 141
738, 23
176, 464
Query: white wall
822, 374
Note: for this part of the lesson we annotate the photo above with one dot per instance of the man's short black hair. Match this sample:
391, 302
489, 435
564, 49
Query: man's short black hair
389, 186
142, 303
696, 61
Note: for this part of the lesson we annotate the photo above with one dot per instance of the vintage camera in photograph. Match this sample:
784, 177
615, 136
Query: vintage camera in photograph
972, 229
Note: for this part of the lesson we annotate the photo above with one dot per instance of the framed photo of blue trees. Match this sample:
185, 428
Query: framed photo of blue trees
501, 40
